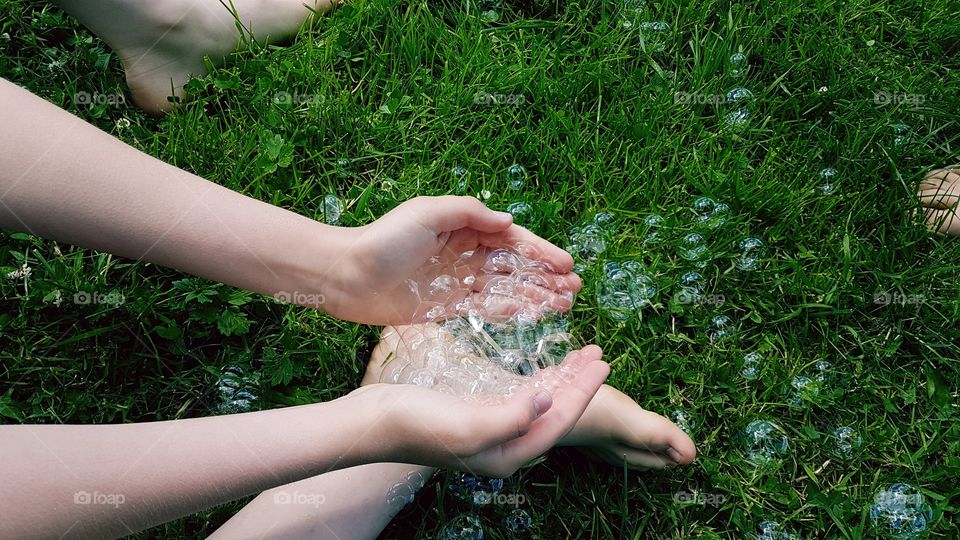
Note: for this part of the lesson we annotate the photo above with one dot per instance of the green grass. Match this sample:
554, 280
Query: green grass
390, 86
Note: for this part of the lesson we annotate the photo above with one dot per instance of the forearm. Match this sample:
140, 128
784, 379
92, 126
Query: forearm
83, 481
64, 179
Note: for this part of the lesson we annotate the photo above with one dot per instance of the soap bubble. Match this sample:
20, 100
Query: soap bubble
845, 442
827, 182
587, 243
752, 252
516, 176
683, 420
343, 168
625, 290
737, 65
752, 365
902, 134
764, 442
332, 209
710, 214
475, 490
823, 372
738, 118
489, 10
655, 34
462, 527
771, 530
803, 389
901, 512
653, 223
691, 288
461, 178
400, 495
605, 221
736, 95
522, 213
720, 328
234, 391
693, 248
518, 520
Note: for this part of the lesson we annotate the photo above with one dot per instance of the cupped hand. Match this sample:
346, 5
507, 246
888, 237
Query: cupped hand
427, 427
420, 262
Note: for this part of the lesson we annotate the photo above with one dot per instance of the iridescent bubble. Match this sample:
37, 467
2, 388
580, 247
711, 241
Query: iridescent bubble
517, 521
587, 243
751, 254
693, 248
516, 176
771, 530
737, 65
653, 224
901, 512
489, 10
683, 420
522, 213
764, 442
827, 181
721, 327
332, 209
823, 372
625, 290
400, 495
752, 365
845, 442
736, 95
462, 527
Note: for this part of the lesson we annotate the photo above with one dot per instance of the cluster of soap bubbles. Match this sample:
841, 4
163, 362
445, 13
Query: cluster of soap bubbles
764, 442
235, 391
806, 389
655, 34
901, 512
515, 175
478, 492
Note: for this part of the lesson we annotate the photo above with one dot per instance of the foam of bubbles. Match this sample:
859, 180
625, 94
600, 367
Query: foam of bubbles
462, 527
845, 442
764, 442
516, 176
901, 512
751, 254
332, 209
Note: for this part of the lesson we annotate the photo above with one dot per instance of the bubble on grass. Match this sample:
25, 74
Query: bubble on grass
516, 176
655, 34
737, 65
683, 420
902, 134
803, 389
462, 527
625, 290
823, 372
771, 530
693, 248
473, 489
721, 327
827, 181
738, 94
489, 10
654, 223
332, 209
763, 442
845, 442
522, 213
234, 391
343, 168
709, 213
461, 178
739, 118
605, 220
518, 521
690, 288
901, 512
751, 254
587, 243
752, 365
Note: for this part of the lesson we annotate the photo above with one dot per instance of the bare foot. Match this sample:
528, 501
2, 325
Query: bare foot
939, 196
163, 44
613, 428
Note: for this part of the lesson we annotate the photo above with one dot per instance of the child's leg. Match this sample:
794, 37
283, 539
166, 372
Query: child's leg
161, 44
359, 502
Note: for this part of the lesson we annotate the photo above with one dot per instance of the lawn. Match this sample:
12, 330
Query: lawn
377, 102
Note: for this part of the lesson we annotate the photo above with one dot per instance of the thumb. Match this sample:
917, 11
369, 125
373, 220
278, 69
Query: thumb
450, 213
512, 419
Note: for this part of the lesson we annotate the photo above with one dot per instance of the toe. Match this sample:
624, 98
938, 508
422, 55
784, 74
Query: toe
944, 221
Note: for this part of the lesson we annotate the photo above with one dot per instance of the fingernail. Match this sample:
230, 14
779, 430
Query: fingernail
541, 402
504, 215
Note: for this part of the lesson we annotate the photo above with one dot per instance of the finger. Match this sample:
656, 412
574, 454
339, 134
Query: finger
496, 424
537, 248
450, 213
